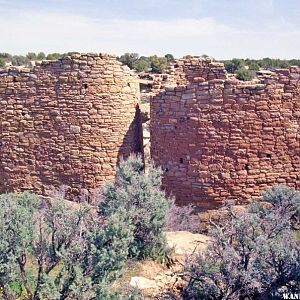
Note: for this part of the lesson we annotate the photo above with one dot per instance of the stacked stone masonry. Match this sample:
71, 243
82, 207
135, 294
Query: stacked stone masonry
185, 70
218, 138
67, 122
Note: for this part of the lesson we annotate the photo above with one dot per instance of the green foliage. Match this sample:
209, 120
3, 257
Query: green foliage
158, 64
254, 66
138, 193
54, 250
16, 235
169, 57
233, 65
271, 63
41, 56
152, 63
243, 74
129, 59
155, 63
50, 250
2, 62
54, 56
75, 255
142, 64
20, 60
68, 54
286, 201
6, 56
205, 56
252, 255
31, 56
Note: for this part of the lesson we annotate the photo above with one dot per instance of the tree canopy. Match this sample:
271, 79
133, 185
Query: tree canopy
153, 63
232, 65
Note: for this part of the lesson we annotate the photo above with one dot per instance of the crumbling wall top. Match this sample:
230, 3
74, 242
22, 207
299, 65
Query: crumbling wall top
194, 69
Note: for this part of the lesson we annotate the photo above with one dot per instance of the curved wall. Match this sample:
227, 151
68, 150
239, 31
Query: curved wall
67, 122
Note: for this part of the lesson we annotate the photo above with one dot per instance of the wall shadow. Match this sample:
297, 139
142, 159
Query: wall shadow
133, 139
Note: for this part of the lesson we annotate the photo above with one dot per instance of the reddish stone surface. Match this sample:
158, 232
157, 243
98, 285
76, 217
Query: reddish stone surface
217, 138
67, 122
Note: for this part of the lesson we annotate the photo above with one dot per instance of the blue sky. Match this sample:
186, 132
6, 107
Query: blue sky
220, 28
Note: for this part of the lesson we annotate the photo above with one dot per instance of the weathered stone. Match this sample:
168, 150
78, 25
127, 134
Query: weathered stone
143, 283
51, 124
74, 129
185, 243
226, 132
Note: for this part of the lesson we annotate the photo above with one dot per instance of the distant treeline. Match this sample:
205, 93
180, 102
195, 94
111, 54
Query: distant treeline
244, 68
153, 63
267, 63
25, 60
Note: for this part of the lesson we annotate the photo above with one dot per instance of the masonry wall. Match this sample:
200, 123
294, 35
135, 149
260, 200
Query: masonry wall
185, 70
67, 122
224, 139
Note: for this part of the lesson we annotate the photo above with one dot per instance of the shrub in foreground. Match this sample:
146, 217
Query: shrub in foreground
253, 255
182, 218
54, 251
51, 249
139, 193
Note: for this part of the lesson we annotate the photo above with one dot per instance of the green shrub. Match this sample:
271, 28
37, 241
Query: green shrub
142, 64
243, 74
54, 250
253, 255
129, 59
139, 194
49, 250
233, 65
254, 66
169, 57
158, 64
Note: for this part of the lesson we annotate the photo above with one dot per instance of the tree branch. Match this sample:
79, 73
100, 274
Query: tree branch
22, 262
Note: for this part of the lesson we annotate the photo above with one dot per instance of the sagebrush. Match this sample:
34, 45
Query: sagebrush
253, 255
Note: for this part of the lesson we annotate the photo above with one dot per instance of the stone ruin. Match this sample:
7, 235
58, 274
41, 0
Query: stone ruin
67, 122
218, 138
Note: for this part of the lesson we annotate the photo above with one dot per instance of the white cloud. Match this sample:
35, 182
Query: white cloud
35, 31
